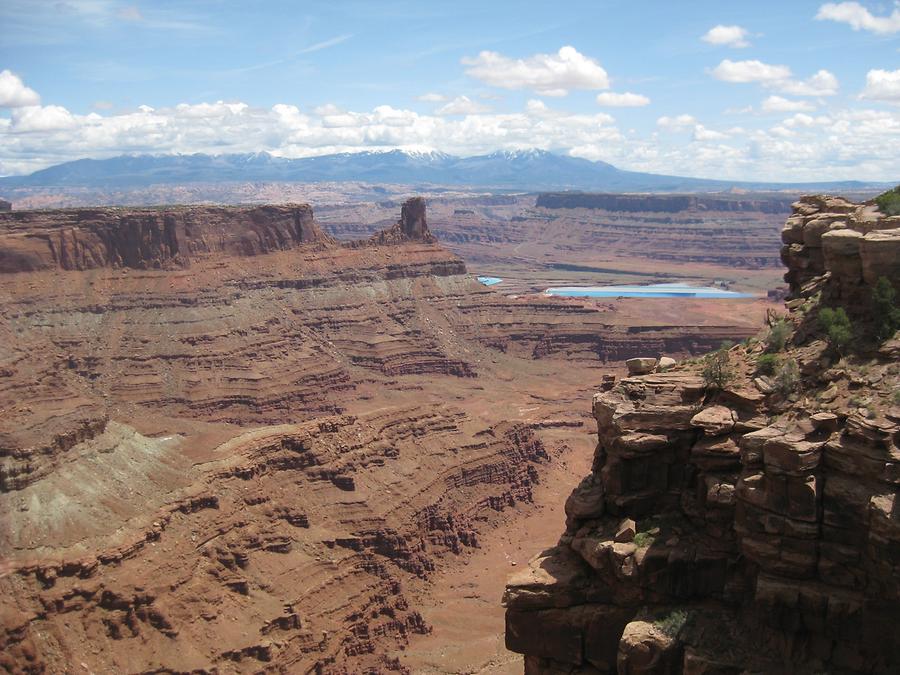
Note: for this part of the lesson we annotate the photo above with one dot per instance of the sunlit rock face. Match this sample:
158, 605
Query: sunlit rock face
747, 527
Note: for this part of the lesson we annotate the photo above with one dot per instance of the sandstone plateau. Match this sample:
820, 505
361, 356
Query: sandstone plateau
752, 527
233, 443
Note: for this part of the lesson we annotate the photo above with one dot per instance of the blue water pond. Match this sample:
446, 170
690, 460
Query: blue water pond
489, 281
652, 291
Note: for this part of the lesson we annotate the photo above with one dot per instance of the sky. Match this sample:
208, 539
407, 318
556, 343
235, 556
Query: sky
764, 90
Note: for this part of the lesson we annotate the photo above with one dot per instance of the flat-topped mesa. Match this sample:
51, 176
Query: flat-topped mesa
412, 225
147, 238
838, 246
638, 203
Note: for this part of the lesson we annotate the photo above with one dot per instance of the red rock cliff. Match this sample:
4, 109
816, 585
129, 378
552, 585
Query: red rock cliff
78, 239
749, 528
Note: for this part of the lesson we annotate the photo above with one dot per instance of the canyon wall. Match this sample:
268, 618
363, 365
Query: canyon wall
79, 239
238, 445
660, 203
746, 527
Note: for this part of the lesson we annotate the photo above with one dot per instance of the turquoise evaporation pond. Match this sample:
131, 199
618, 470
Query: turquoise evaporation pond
652, 291
490, 281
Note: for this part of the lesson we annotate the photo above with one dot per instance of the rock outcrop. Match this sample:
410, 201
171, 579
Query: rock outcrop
849, 245
5, 205
80, 239
752, 528
412, 225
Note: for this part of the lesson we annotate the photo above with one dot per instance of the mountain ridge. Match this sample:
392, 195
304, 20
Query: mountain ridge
528, 170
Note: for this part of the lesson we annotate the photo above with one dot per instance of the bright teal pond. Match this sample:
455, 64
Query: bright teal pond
490, 281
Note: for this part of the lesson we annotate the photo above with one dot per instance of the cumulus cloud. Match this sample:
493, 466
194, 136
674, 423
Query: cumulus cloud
781, 104
623, 100
701, 133
14, 93
882, 85
546, 74
777, 77
676, 123
727, 36
750, 71
462, 105
859, 18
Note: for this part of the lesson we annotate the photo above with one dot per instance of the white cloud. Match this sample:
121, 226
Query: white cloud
701, 133
14, 93
728, 36
676, 123
750, 71
882, 85
624, 100
432, 98
546, 74
823, 83
860, 18
777, 77
462, 105
781, 104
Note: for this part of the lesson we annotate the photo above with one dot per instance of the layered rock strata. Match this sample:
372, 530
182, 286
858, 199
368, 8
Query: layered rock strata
751, 528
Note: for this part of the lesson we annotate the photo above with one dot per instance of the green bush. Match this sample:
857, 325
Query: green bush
672, 624
766, 364
777, 336
643, 539
836, 325
788, 377
884, 305
889, 202
718, 371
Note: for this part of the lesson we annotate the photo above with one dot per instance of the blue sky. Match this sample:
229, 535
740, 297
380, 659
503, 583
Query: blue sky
764, 90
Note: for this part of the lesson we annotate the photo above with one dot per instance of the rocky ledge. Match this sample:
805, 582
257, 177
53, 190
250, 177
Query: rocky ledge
745, 527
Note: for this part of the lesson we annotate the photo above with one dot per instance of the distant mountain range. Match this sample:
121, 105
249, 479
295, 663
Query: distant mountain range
529, 170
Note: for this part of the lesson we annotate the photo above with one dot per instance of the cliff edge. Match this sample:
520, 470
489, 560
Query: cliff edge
748, 522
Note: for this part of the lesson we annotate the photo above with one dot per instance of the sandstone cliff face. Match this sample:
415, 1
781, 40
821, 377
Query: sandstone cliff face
80, 239
745, 529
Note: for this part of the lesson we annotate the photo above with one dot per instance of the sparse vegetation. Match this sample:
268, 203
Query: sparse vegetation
718, 371
777, 336
788, 377
885, 310
895, 397
889, 202
672, 623
644, 539
766, 364
836, 325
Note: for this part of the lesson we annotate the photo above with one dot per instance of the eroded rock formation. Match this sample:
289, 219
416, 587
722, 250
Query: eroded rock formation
752, 528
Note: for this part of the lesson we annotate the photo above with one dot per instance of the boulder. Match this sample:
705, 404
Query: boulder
645, 648
641, 365
716, 420
665, 362
625, 532
841, 251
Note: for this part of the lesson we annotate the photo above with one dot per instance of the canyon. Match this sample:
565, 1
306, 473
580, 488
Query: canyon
745, 523
233, 442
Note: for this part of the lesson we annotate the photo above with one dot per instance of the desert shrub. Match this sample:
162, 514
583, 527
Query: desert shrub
836, 325
672, 623
788, 377
643, 539
777, 336
884, 304
766, 364
895, 397
718, 370
889, 202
